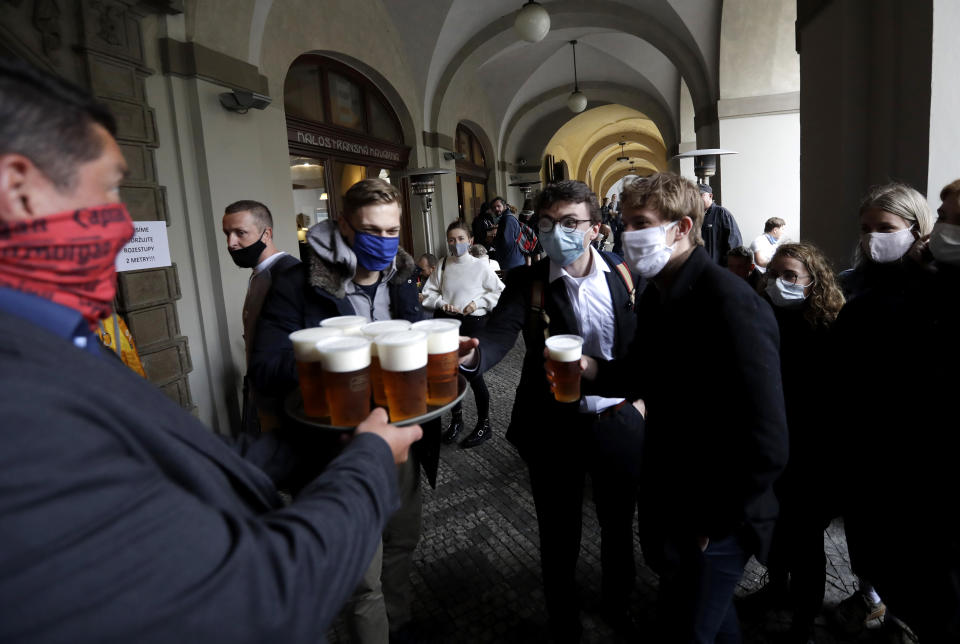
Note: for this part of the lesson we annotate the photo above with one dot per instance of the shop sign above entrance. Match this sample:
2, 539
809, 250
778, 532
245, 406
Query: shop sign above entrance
342, 145
314, 137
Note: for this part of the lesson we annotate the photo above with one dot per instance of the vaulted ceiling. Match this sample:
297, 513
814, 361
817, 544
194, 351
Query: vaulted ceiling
648, 56
630, 53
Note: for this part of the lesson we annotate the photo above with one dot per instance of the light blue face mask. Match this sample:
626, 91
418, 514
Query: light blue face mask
458, 249
562, 247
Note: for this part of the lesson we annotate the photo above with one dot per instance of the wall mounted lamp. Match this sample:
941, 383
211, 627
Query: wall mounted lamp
240, 100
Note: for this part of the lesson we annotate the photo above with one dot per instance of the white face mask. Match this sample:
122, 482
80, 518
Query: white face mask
646, 250
945, 243
785, 294
884, 248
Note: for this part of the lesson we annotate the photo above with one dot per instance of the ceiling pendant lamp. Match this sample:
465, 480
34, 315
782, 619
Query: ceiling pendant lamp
577, 101
532, 22
623, 156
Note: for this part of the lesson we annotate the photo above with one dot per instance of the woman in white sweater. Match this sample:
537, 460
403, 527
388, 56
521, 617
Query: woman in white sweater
465, 288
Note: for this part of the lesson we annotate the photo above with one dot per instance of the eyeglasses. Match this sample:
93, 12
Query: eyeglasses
789, 277
567, 224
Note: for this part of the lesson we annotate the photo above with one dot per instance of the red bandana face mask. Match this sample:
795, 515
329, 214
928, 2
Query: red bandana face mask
67, 258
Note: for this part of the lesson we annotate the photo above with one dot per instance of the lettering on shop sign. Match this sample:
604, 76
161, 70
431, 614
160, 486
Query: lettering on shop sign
147, 248
341, 145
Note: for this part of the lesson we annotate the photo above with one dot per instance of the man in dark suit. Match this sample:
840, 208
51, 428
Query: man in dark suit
576, 290
124, 519
355, 266
705, 363
719, 231
248, 227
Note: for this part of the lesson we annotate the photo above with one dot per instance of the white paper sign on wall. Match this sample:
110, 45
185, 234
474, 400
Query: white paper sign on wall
147, 249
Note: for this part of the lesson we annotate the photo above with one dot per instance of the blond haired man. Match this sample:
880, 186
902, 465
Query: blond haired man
705, 363
355, 266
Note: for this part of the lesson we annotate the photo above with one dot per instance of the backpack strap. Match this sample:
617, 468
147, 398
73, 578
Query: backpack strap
537, 310
625, 276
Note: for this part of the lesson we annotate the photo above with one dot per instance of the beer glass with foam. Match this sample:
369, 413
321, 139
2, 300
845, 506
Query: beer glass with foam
309, 369
372, 331
346, 378
564, 359
348, 324
443, 342
403, 359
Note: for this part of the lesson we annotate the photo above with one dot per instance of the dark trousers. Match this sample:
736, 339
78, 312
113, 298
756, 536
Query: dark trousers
796, 552
695, 605
469, 326
557, 479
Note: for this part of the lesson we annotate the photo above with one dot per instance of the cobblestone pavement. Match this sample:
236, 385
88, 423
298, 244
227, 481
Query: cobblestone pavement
476, 571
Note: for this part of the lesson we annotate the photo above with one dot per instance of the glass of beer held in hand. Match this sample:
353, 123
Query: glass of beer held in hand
346, 378
348, 324
443, 342
403, 359
372, 331
309, 369
564, 360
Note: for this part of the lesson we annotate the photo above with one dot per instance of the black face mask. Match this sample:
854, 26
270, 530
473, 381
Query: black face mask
247, 257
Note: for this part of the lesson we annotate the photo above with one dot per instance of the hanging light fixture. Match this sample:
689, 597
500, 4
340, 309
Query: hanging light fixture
577, 101
532, 22
623, 156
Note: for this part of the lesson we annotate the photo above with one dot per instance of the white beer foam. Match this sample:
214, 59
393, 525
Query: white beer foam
443, 336
402, 351
305, 342
344, 353
349, 324
373, 330
565, 348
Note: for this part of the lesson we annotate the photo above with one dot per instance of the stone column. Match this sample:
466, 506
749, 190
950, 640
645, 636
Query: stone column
865, 107
98, 44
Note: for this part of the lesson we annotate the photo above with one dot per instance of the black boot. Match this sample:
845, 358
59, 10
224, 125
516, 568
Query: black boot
480, 434
453, 430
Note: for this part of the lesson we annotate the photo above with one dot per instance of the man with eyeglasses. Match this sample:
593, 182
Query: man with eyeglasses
575, 290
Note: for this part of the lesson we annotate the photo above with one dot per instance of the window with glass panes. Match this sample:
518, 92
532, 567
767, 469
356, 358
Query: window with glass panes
472, 173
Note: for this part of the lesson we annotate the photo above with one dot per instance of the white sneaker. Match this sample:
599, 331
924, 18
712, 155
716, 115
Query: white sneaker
858, 612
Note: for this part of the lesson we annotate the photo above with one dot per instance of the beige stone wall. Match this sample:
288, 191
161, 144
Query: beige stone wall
465, 101
759, 114
757, 48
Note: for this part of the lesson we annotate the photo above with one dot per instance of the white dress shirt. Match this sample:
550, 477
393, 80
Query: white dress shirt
593, 309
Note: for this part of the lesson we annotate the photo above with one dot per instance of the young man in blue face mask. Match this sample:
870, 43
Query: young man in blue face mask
705, 363
575, 290
355, 267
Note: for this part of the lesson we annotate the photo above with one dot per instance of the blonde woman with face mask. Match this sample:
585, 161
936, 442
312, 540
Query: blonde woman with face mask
881, 353
895, 226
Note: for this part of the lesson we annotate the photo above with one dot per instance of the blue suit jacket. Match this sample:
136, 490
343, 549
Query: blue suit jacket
123, 519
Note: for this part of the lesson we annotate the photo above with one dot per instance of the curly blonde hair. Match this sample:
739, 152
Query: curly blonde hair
826, 298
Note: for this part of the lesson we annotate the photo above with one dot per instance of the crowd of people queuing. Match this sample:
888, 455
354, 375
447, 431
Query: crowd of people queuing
734, 413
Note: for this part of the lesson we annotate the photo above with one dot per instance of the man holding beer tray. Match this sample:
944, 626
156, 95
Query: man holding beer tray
124, 518
579, 299
355, 273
